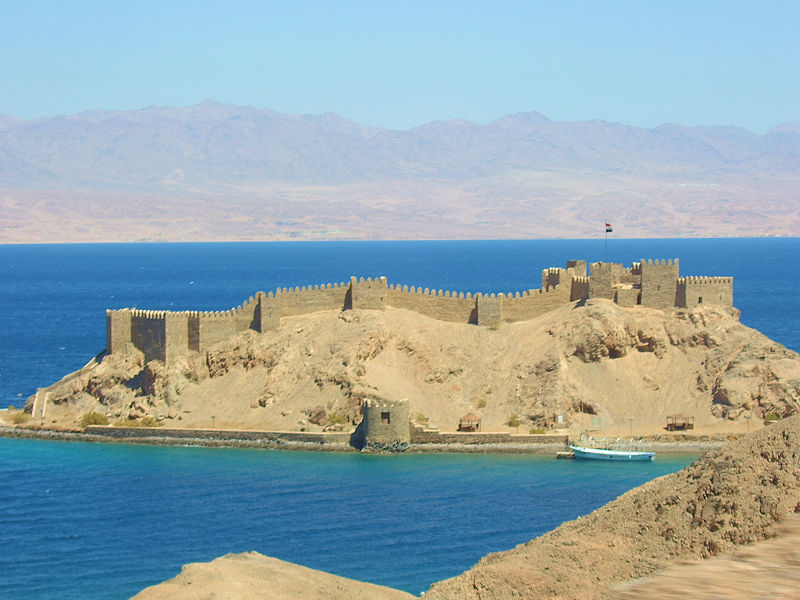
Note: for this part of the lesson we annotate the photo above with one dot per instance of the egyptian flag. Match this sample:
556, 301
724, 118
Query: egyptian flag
609, 229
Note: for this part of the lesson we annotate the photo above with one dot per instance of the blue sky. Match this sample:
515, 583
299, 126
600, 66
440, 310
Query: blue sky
402, 64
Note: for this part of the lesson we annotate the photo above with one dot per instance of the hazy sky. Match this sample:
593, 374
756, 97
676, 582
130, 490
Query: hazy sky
401, 64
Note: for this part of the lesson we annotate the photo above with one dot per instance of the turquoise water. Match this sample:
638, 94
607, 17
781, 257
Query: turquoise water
104, 521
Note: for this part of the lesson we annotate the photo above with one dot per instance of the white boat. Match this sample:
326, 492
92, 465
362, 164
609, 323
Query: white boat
604, 454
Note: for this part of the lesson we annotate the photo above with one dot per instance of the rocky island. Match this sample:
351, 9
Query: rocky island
617, 351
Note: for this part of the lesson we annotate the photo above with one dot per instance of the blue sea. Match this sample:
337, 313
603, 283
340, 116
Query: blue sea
103, 521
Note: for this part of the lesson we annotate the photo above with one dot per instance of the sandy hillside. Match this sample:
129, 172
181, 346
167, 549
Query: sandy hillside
598, 365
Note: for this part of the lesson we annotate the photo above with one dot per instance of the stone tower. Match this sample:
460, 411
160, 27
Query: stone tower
659, 283
385, 425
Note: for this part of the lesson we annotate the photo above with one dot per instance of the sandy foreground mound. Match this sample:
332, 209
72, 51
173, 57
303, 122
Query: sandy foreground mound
741, 494
766, 570
252, 576
596, 365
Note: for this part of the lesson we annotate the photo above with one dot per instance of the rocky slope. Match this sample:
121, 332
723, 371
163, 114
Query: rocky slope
732, 496
597, 365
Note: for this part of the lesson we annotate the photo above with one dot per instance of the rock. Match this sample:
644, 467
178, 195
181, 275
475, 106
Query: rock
317, 415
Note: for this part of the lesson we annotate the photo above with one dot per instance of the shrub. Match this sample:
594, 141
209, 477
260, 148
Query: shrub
514, 421
336, 419
421, 418
20, 418
537, 430
771, 416
93, 418
143, 422
480, 403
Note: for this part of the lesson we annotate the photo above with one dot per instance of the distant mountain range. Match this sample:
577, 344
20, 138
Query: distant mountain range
216, 171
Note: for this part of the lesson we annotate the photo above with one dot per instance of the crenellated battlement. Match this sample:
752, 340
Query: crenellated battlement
659, 261
167, 335
705, 280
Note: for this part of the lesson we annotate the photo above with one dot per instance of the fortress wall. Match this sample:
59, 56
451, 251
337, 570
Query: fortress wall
148, 333
490, 310
164, 335
552, 277
421, 436
602, 279
118, 330
531, 304
193, 332
206, 328
578, 267
694, 291
579, 288
176, 336
659, 283
368, 293
307, 299
213, 328
222, 435
444, 306
267, 314
627, 296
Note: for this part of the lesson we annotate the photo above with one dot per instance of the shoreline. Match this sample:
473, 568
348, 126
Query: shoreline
222, 438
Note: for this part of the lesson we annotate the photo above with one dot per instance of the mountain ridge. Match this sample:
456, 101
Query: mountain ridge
449, 175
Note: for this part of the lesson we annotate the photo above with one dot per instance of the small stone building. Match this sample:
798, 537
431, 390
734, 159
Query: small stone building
385, 424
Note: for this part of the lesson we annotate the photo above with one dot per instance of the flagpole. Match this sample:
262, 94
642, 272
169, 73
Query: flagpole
606, 230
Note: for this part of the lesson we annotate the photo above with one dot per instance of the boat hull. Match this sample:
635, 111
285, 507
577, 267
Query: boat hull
601, 454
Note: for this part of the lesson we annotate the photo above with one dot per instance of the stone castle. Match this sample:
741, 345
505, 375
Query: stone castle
168, 335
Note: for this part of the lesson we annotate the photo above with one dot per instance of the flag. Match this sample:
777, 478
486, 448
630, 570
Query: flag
609, 229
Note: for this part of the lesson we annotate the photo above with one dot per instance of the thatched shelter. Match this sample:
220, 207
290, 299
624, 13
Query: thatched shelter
470, 422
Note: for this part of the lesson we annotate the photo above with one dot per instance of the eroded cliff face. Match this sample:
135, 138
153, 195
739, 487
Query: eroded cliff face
595, 365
